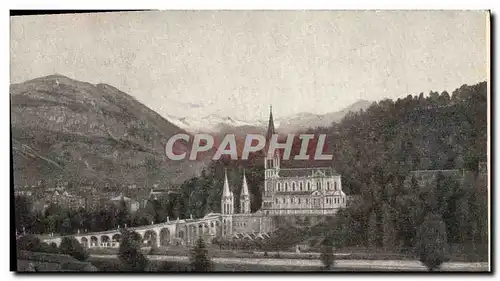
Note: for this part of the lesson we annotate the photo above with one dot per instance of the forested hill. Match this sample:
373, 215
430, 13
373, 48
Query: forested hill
376, 146
391, 138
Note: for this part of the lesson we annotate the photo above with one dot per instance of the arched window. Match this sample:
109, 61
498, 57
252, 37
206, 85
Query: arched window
299, 200
286, 186
309, 186
284, 200
327, 185
335, 186
293, 186
277, 202
318, 185
279, 186
301, 186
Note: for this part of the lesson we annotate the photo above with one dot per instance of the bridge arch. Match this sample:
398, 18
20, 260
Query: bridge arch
150, 237
105, 240
182, 232
164, 237
94, 242
116, 237
85, 242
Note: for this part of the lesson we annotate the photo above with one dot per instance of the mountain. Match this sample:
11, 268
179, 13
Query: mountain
303, 121
65, 130
223, 124
212, 123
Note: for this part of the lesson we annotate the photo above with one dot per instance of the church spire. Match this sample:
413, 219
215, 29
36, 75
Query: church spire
270, 126
244, 188
226, 191
244, 197
227, 204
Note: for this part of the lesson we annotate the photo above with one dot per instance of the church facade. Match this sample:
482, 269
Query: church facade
287, 192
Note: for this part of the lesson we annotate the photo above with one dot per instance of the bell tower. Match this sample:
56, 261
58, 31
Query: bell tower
244, 197
271, 162
227, 201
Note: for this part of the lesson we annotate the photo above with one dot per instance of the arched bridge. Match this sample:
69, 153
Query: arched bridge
184, 231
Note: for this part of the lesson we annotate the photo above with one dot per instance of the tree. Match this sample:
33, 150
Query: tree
71, 246
432, 243
29, 243
122, 214
327, 257
200, 260
389, 231
372, 229
129, 253
23, 215
53, 248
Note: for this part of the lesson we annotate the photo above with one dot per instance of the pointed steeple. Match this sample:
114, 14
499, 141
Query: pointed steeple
244, 188
270, 126
227, 204
244, 197
226, 191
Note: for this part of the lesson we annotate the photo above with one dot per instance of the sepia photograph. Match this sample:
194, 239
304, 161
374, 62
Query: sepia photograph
250, 141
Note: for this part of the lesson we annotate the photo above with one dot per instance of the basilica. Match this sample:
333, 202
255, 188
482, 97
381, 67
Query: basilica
287, 192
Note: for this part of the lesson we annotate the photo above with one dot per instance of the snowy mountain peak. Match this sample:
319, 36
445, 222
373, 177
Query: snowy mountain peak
210, 123
215, 123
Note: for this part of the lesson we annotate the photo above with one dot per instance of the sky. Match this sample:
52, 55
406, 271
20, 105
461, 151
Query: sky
238, 63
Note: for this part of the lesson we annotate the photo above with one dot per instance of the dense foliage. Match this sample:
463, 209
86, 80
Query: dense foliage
199, 258
327, 257
58, 220
129, 252
33, 244
70, 246
432, 246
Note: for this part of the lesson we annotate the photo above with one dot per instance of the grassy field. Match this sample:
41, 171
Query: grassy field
162, 266
347, 253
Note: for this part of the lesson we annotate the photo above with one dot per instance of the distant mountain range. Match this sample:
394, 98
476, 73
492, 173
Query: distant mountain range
298, 122
65, 130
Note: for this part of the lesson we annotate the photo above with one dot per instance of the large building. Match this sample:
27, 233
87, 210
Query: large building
299, 191
287, 192
301, 196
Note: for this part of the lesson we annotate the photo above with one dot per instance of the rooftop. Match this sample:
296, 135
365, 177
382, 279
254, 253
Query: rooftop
308, 172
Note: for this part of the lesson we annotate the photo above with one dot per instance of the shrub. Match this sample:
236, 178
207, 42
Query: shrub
326, 256
432, 242
129, 253
200, 260
70, 246
29, 243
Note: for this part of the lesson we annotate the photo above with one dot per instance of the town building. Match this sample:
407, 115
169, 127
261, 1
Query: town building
132, 205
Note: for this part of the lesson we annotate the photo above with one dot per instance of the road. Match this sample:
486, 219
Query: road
410, 265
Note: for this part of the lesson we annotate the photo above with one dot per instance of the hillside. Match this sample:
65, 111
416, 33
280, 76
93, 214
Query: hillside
304, 121
65, 130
